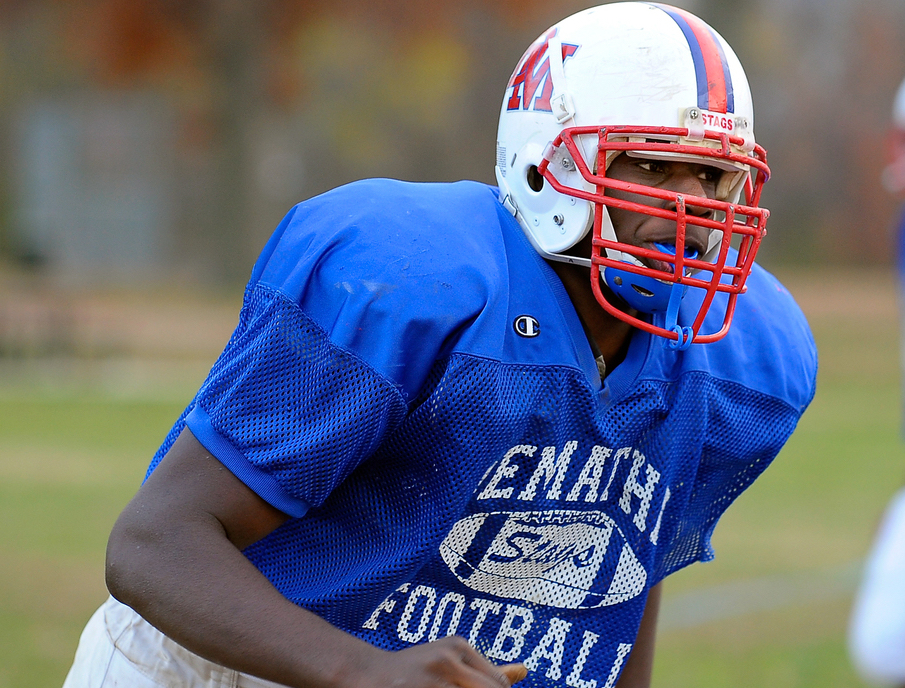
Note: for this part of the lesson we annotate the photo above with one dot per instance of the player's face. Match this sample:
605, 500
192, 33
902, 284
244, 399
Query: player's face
689, 179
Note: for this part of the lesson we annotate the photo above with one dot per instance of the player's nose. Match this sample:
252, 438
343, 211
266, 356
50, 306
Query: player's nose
687, 182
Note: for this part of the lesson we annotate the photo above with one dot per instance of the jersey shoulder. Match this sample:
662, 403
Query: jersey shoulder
383, 227
391, 271
769, 347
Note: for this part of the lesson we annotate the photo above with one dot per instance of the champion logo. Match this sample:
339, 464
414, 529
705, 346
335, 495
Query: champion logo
526, 326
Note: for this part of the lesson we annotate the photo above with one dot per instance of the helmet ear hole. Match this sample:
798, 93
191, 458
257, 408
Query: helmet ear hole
535, 179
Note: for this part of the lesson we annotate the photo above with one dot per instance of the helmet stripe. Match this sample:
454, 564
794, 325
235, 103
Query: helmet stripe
711, 69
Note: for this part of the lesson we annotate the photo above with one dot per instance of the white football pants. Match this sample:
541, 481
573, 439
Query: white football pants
119, 649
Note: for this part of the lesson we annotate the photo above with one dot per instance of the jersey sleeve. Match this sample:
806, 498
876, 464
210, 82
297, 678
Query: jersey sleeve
357, 295
288, 412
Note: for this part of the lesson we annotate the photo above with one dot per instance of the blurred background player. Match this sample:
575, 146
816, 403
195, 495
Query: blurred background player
460, 425
877, 628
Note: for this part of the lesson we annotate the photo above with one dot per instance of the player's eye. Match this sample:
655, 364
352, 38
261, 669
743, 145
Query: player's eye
652, 166
710, 174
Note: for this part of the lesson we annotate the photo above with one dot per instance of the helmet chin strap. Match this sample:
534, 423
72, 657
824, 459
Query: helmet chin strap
684, 335
562, 103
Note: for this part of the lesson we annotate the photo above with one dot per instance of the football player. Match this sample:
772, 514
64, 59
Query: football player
877, 626
460, 427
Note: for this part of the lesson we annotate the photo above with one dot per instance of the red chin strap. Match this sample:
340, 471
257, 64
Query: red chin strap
746, 223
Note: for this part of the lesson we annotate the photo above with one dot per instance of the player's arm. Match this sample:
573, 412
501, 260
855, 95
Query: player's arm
175, 557
640, 664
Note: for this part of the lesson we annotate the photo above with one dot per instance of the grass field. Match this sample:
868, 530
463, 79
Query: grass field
88, 387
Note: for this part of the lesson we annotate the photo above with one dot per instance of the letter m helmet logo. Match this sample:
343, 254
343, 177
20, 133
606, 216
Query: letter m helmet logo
533, 73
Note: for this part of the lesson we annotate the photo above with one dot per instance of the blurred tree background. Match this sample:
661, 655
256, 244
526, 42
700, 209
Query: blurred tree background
163, 140
149, 147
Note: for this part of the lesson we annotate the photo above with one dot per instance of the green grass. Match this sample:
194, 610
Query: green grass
74, 447
68, 465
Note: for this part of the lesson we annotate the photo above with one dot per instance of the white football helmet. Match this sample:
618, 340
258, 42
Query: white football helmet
652, 81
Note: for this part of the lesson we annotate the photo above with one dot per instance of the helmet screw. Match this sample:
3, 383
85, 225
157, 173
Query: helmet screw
693, 113
558, 219
568, 164
618, 281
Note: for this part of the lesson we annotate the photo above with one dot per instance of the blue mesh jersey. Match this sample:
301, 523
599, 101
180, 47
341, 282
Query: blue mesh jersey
410, 382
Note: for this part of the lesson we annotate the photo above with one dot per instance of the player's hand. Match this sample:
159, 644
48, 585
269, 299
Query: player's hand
514, 672
446, 662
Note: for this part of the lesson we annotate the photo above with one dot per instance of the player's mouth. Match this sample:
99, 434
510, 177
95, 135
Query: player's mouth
690, 252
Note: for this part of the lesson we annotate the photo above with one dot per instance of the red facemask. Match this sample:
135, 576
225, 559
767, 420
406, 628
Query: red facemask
625, 268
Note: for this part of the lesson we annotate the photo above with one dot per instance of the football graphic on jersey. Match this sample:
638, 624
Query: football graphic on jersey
565, 559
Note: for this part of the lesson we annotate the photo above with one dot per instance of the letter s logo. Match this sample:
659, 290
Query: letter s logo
512, 541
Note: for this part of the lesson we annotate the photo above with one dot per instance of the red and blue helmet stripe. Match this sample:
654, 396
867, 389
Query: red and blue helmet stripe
711, 69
